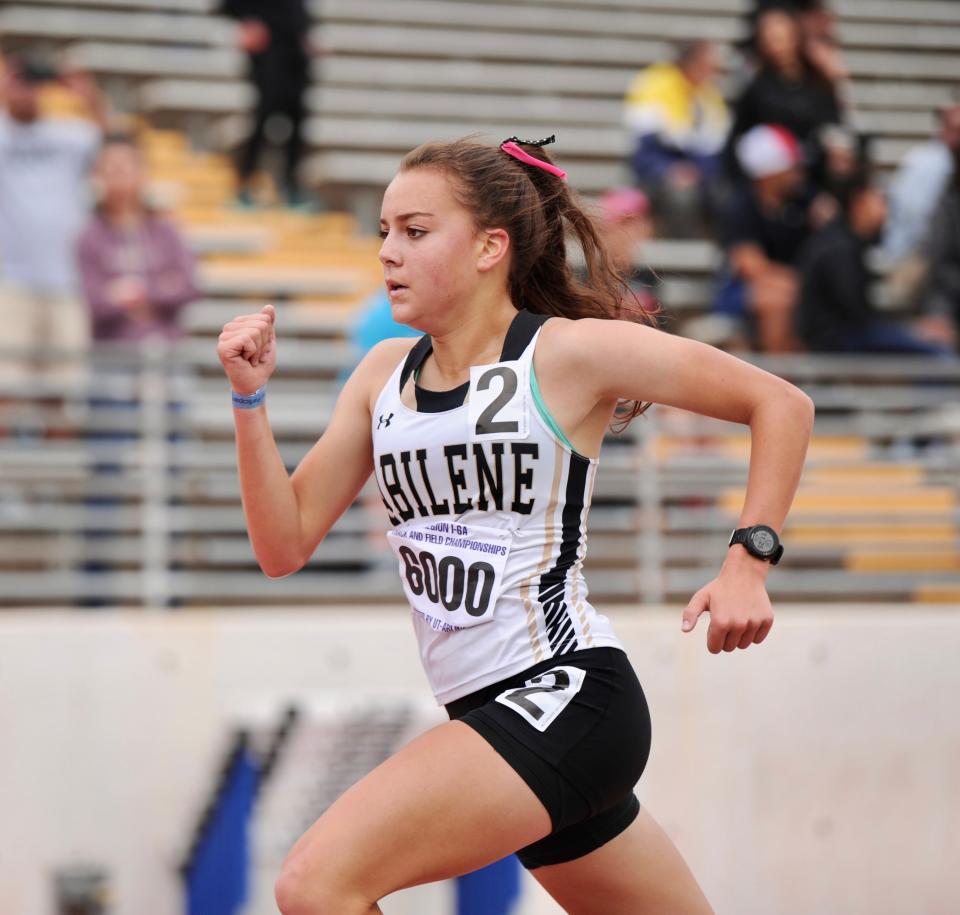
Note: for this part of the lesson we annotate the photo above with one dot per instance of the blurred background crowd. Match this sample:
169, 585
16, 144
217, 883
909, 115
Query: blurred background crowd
753, 144
784, 181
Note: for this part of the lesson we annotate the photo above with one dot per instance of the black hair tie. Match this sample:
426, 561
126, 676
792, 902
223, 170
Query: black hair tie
544, 142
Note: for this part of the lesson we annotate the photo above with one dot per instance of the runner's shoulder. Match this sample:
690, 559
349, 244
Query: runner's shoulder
378, 365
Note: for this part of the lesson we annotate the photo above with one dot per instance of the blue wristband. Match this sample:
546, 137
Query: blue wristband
249, 401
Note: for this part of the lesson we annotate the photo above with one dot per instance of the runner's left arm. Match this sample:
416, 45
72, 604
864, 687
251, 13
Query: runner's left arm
638, 362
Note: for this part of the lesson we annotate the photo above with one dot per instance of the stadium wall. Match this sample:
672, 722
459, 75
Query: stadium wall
818, 774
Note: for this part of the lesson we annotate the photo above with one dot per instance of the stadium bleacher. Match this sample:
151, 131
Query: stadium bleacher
877, 515
393, 75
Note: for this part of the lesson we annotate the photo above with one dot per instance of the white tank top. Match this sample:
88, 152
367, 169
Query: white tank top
489, 510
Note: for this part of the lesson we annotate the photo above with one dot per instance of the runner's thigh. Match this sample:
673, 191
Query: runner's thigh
640, 872
445, 804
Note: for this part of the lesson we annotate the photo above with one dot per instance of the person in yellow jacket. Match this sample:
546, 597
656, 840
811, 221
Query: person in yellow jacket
679, 121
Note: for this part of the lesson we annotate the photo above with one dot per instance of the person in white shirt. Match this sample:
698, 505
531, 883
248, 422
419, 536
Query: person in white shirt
917, 186
912, 196
44, 164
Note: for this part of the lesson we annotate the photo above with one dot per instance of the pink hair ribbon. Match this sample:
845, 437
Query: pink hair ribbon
511, 149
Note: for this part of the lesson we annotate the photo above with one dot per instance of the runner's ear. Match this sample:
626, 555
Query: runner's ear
495, 248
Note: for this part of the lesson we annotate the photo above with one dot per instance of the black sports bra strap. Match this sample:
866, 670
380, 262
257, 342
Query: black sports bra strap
521, 331
421, 349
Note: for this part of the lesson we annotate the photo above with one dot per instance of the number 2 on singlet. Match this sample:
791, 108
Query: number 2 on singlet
544, 696
497, 407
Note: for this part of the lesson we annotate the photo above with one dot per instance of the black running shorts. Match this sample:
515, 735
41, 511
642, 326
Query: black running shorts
576, 729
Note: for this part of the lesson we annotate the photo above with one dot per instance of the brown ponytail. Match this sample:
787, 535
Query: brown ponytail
540, 213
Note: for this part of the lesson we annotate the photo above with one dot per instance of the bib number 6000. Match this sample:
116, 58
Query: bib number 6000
449, 583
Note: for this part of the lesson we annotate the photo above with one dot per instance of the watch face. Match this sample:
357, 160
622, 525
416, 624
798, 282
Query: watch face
764, 540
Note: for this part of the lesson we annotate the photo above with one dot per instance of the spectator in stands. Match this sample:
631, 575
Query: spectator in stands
136, 270
844, 156
791, 87
679, 121
836, 313
274, 34
44, 162
136, 274
765, 226
818, 30
942, 306
624, 225
914, 192
844, 153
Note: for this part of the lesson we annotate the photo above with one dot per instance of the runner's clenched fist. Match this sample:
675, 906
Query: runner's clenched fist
247, 348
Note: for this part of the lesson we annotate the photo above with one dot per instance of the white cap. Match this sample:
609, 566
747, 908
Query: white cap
767, 150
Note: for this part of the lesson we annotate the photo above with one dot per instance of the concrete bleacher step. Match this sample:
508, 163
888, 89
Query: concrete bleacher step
937, 593
373, 171
670, 448
142, 61
321, 318
197, 7
910, 65
729, 7
237, 588
227, 239
364, 69
915, 124
904, 531
402, 135
254, 280
279, 222
916, 11
713, 518
208, 552
938, 38
194, 95
412, 41
633, 21
66, 22
387, 101
927, 560
887, 95
827, 584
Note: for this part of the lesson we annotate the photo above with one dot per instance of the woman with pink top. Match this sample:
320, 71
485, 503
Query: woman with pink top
136, 271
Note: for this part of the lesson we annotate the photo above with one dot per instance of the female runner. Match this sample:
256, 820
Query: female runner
484, 436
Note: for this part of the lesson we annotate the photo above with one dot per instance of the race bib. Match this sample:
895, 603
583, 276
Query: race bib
452, 572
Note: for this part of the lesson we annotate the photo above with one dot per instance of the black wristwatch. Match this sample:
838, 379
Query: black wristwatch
761, 541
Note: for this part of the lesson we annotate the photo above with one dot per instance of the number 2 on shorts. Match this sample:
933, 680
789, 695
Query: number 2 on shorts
545, 696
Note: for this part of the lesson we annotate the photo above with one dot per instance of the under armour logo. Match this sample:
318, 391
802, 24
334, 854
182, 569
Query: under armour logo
384, 422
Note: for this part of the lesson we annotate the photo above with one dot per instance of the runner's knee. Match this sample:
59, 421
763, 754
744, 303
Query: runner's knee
312, 889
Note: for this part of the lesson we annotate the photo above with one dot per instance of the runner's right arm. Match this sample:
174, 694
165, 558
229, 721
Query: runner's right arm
287, 516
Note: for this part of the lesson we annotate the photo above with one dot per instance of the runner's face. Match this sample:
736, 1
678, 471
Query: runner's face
430, 247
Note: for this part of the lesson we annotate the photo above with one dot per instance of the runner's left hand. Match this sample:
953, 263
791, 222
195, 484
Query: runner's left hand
739, 607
